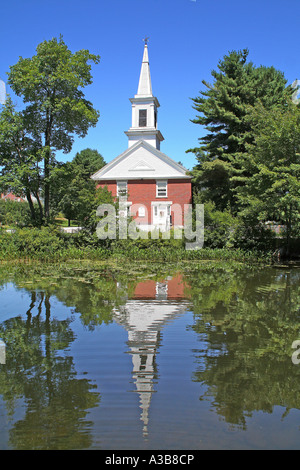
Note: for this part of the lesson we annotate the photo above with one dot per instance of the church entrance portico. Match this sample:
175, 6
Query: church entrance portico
161, 215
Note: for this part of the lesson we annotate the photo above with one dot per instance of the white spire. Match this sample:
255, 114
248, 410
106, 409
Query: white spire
144, 109
145, 87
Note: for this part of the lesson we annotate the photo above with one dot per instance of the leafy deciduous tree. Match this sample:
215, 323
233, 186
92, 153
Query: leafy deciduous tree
51, 84
272, 191
73, 191
19, 156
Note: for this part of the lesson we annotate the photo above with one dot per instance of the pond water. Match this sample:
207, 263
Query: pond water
192, 357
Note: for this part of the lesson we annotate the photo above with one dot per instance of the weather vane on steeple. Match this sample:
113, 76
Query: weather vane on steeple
146, 40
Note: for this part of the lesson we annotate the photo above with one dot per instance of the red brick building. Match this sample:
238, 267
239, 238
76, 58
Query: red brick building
12, 197
173, 288
154, 188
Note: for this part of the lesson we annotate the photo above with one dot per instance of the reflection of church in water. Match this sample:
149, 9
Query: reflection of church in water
152, 306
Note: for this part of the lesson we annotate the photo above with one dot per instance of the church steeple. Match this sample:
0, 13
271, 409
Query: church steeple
145, 87
144, 109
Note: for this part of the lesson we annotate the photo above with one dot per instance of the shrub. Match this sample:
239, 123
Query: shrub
219, 227
14, 213
38, 241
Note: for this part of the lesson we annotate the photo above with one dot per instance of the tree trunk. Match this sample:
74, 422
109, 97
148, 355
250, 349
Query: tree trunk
46, 184
31, 206
288, 224
47, 157
36, 195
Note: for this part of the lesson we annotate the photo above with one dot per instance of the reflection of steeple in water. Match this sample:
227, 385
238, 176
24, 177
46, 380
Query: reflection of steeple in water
153, 305
143, 347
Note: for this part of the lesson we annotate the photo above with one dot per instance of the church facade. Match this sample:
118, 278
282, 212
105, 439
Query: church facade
153, 187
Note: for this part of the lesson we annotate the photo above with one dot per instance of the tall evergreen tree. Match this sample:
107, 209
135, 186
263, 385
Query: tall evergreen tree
223, 109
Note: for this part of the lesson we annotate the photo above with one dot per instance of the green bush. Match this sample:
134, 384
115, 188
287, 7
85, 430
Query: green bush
219, 227
8, 249
50, 244
14, 213
251, 235
38, 241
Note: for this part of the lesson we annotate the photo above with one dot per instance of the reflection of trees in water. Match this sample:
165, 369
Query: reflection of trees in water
95, 298
39, 371
246, 323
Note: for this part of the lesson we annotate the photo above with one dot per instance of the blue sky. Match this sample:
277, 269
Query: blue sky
187, 40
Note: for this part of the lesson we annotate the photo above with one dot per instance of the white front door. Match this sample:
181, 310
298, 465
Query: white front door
161, 216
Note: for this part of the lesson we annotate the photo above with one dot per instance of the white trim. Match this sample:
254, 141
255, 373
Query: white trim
168, 203
146, 176
101, 174
141, 166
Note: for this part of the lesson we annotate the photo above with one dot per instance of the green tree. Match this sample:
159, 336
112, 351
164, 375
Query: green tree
51, 84
223, 111
73, 191
272, 191
19, 156
219, 225
88, 161
92, 201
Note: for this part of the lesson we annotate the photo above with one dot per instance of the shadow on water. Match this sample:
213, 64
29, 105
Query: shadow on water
235, 345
